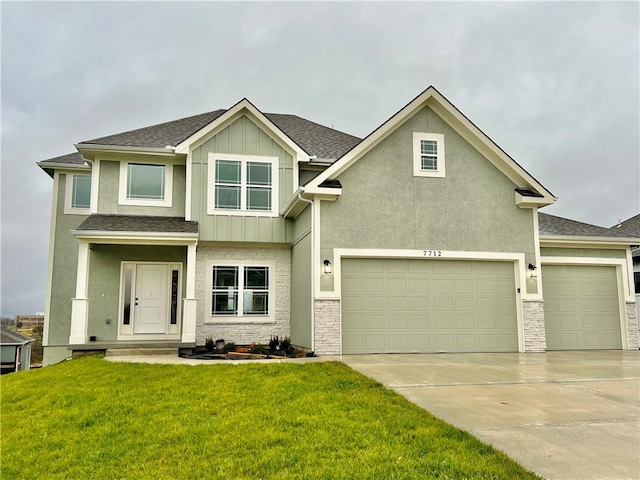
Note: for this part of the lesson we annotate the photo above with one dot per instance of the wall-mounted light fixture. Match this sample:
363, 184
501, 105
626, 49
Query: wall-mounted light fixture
327, 266
532, 271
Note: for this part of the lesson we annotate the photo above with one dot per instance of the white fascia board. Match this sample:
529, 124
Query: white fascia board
372, 139
325, 193
232, 114
95, 148
136, 238
569, 241
533, 202
65, 166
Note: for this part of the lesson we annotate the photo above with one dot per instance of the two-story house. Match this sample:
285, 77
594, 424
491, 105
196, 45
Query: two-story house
424, 236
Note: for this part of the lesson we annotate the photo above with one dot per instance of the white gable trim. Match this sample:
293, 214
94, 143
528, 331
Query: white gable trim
243, 107
440, 105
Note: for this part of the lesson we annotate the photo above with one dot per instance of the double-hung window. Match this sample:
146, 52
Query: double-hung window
242, 184
428, 154
240, 290
78, 194
145, 184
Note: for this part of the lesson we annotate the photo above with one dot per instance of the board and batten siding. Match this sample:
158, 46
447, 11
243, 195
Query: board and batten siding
384, 206
242, 137
301, 275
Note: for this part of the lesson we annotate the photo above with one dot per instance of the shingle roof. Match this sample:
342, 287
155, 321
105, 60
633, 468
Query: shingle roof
315, 139
9, 337
551, 225
630, 226
138, 223
160, 135
71, 158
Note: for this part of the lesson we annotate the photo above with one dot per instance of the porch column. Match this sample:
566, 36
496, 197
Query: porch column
80, 304
190, 302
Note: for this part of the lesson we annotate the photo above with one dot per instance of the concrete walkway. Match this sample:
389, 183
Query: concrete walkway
564, 415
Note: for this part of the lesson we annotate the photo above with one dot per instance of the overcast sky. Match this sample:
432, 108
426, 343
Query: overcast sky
556, 85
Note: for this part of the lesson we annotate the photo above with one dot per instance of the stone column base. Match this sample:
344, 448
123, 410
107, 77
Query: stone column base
632, 327
535, 336
327, 327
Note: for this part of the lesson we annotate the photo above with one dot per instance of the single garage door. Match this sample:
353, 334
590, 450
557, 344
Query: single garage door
581, 309
416, 305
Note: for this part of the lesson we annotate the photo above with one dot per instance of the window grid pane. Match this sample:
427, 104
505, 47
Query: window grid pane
145, 181
429, 163
81, 193
428, 147
224, 297
228, 197
228, 172
258, 173
258, 198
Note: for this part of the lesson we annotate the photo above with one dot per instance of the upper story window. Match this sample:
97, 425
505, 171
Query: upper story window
78, 194
428, 155
243, 185
145, 184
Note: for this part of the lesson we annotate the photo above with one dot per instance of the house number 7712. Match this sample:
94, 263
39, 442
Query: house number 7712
432, 253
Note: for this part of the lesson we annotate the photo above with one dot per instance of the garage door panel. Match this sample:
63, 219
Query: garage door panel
399, 342
418, 285
373, 285
432, 306
465, 322
464, 304
397, 322
419, 322
420, 342
581, 307
372, 266
396, 285
444, 322
465, 342
353, 321
375, 342
373, 321
352, 285
418, 304
441, 285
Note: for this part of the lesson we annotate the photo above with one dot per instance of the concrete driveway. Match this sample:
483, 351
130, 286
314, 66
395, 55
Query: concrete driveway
564, 415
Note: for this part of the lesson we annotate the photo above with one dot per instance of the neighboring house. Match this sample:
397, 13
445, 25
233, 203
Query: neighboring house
238, 224
631, 226
15, 351
29, 322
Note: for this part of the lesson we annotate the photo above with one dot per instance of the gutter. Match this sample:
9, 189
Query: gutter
168, 150
626, 241
313, 272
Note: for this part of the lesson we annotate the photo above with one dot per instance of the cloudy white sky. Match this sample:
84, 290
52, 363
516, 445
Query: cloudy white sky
556, 85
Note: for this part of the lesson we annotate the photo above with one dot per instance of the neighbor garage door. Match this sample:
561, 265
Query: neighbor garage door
407, 305
581, 309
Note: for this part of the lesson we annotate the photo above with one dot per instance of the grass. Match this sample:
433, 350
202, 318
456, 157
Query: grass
91, 419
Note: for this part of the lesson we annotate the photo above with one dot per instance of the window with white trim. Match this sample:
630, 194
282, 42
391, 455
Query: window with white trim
146, 184
78, 194
239, 291
428, 155
242, 184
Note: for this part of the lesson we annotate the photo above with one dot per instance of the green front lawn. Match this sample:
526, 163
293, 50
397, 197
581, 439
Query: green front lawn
91, 419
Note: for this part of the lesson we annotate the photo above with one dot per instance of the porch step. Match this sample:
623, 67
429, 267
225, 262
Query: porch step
137, 352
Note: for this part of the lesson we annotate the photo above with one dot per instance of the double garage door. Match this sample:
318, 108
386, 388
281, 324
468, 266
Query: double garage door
421, 305
581, 307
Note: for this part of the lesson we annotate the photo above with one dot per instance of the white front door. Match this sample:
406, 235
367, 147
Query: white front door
151, 299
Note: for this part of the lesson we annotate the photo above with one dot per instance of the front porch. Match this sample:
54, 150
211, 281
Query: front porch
135, 283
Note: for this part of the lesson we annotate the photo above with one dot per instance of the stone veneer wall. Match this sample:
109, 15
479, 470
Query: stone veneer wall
244, 332
327, 327
535, 335
632, 326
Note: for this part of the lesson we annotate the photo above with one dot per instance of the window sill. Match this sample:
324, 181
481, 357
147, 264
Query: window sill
243, 213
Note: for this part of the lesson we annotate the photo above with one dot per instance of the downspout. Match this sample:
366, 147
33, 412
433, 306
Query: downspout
313, 275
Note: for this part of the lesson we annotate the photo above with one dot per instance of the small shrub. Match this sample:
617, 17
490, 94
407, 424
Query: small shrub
259, 349
229, 347
209, 345
274, 343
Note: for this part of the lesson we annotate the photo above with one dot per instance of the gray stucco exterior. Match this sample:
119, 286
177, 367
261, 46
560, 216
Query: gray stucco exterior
387, 207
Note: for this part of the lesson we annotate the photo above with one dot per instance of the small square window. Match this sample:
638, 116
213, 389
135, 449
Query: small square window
428, 155
230, 283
